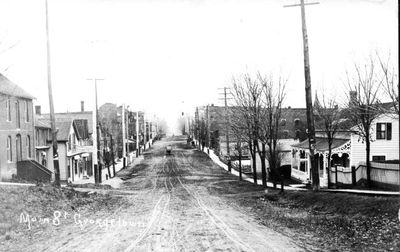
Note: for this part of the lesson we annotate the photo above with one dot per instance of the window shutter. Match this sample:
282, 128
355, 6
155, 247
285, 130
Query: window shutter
377, 131
389, 131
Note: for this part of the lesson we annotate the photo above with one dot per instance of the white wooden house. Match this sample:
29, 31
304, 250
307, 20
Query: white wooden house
349, 150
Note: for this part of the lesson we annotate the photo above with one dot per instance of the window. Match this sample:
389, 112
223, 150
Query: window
296, 122
9, 149
378, 158
8, 109
303, 165
384, 131
283, 122
285, 134
17, 119
303, 161
37, 137
27, 111
28, 145
18, 145
297, 133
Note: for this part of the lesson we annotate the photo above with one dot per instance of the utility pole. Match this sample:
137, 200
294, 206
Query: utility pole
197, 127
208, 128
112, 154
98, 166
137, 134
227, 124
105, 152
123, 137
52, 118
145, 133
310, 114
127, 135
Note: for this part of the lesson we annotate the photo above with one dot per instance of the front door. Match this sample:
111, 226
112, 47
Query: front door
18, 144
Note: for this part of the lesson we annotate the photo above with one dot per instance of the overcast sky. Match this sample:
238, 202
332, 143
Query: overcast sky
169, 56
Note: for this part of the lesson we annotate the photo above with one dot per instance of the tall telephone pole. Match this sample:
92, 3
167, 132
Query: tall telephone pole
123, 137
137, 134
197, 127
98, 166
208, 129
307, 75
227, 126
51, 104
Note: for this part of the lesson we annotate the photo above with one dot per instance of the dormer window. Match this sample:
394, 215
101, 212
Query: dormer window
296, 122
283, 122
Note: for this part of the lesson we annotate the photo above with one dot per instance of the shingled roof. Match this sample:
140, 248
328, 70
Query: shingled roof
9, 88
63, 127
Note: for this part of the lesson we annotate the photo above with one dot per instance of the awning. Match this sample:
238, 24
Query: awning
321, 144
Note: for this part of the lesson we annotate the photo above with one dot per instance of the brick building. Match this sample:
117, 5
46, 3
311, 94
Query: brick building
16, 127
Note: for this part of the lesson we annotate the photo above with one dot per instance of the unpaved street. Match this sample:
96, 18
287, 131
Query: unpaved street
179, 202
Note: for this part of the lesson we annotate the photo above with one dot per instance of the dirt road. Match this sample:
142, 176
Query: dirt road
179, 202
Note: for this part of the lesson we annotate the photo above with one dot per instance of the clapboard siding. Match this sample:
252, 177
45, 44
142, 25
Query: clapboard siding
387, 148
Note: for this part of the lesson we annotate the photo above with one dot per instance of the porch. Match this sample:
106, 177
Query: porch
301, 161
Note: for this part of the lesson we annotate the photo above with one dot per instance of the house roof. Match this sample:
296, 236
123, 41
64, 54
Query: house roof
42, 123
85, 115
63, 127
9, 88
321, 144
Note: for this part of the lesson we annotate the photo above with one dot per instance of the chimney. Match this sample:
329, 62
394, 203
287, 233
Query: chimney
38, 110
82, 106
353, 97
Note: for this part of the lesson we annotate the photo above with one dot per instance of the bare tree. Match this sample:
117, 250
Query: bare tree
390, 81
328, 119
273, 96
363, 103
238, 129
247, 95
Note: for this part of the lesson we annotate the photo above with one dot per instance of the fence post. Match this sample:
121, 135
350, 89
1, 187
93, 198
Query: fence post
353, 175
336, 182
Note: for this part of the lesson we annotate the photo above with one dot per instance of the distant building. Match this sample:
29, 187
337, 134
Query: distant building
292, 130
43, 143
74, 150
110, 117
17, 129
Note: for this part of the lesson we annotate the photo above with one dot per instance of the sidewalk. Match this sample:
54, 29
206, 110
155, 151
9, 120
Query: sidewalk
216, 160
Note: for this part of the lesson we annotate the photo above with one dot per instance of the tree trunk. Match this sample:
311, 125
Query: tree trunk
314, 172
329, 165
368, 150
263, 166
253, 156
240, 165
261, 154
274, 172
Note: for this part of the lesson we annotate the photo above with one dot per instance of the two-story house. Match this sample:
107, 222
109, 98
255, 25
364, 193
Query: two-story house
349, 150
74, 150
17, 129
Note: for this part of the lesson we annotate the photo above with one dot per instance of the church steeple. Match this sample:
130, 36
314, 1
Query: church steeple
316, 100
